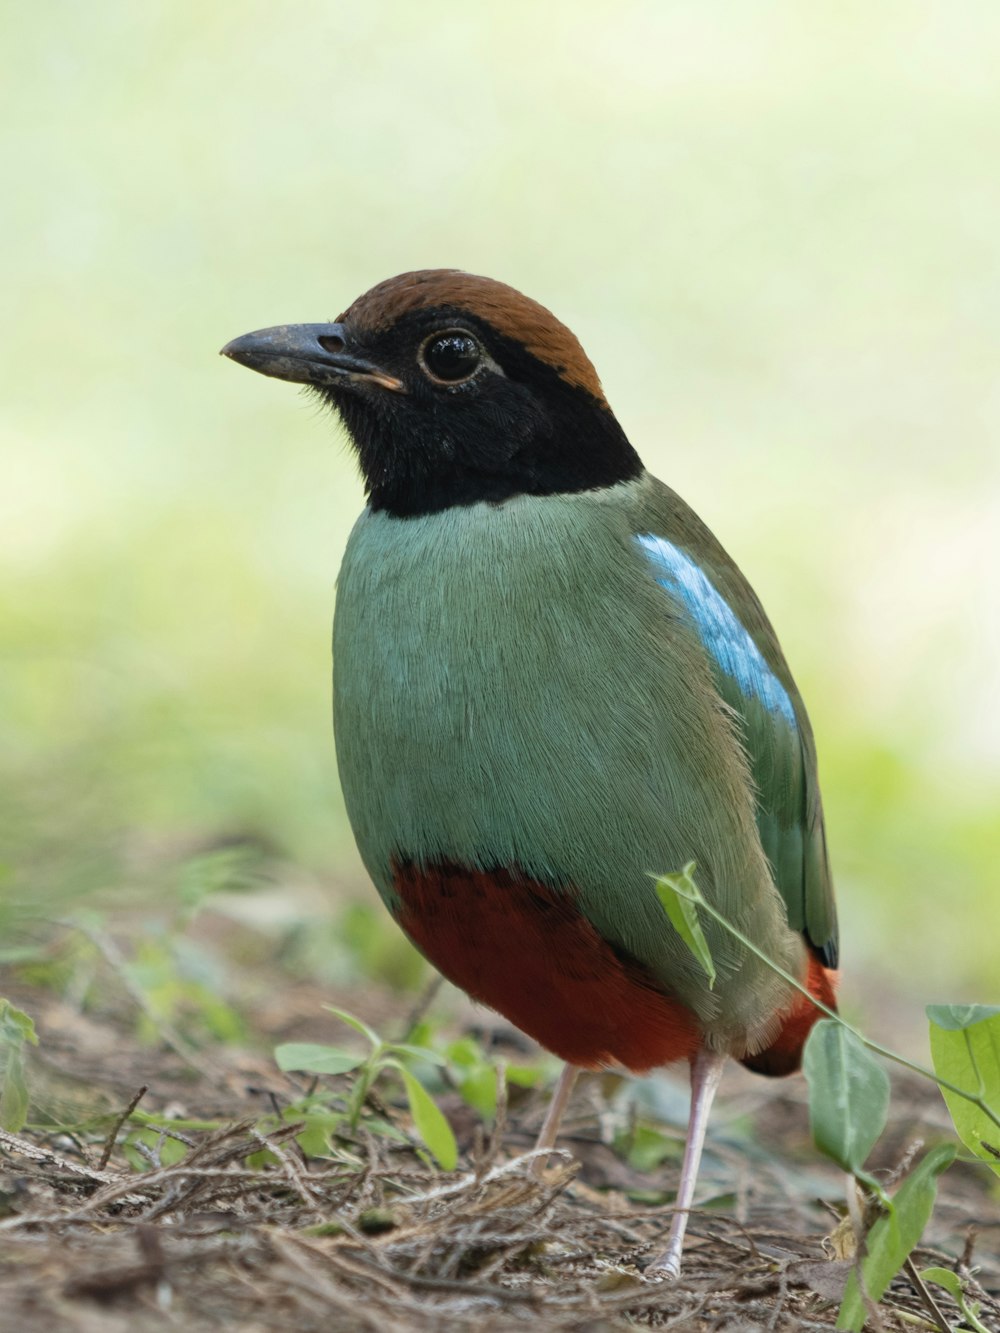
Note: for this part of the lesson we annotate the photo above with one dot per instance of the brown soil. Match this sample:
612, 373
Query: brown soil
373, 1238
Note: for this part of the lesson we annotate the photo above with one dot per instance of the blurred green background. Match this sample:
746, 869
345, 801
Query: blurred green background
776, 229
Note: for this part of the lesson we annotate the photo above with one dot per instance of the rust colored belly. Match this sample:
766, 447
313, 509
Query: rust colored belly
527, 951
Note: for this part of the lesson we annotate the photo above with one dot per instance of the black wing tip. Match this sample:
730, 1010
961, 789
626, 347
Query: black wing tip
829, 954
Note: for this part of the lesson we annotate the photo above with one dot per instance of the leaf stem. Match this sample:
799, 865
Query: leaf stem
975, 1098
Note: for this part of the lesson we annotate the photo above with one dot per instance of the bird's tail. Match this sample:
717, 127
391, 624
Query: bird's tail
784, 1054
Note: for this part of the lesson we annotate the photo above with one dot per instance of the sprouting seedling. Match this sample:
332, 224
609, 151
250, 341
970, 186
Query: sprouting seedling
382, 1057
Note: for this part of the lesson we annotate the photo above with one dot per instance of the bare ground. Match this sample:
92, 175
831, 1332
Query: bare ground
372, 1237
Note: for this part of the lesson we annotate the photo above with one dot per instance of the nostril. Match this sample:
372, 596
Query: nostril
331, 342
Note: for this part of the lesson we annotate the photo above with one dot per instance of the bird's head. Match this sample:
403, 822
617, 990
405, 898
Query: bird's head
454, 389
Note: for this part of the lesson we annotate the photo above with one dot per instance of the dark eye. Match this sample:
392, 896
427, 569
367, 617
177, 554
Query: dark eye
451, 357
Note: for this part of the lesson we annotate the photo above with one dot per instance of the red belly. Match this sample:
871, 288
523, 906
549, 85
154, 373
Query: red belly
527, 951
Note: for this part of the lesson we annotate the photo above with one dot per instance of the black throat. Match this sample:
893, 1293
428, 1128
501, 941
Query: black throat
526, 432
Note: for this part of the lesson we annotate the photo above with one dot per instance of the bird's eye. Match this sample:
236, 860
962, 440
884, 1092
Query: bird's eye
450, 357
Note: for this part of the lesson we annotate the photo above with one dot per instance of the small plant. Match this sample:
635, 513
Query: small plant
849, 1102
952, 1283
462, 1064
179, 985
474, 1072
382, 1059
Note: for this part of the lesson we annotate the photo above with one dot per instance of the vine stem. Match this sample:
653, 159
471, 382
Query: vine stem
975, 1098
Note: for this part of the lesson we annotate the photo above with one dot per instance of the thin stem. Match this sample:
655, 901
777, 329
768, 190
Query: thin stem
364, 1080
933, 1309
975, 1098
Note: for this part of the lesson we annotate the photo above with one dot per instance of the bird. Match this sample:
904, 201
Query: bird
552, 684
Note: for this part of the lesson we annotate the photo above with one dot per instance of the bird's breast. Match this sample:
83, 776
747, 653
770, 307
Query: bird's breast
496, 698
515, 695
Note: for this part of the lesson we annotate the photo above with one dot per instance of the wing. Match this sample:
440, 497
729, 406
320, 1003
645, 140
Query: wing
752, 676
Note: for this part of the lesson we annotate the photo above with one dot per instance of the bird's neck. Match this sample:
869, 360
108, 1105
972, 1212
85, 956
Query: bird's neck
582, 448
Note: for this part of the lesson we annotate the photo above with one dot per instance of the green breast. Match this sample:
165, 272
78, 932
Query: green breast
512, 688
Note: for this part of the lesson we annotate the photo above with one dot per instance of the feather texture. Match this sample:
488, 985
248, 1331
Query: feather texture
752, 676
728, 643
515, 688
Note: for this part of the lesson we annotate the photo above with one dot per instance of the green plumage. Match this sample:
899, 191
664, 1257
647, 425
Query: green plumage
514, 688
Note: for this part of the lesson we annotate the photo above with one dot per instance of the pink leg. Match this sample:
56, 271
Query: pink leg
560, 1098
706, 1071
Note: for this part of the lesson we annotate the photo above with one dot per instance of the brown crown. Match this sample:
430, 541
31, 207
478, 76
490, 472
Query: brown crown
511, 314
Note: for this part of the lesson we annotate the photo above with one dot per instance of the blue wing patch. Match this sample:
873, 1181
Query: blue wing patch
721, 632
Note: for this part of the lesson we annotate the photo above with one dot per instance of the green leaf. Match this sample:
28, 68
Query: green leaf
965, 1048
650, 1148
465, 1051
848, 1095
13, 1090
168, 1151
954, 1017
429, 1123
158, 1120
15, 1025
894, 1236
524, 1076
255, 1161
385, 1129
944, 1277
474, 1075
356, 1024
478, 1087
312, 1058
16, 1028
952, 1283
680, 897
314, 1137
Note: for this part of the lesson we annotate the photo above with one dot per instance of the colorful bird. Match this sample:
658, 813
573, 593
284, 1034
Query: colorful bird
552, 683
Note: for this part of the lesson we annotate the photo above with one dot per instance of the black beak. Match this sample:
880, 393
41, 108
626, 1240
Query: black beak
308, 354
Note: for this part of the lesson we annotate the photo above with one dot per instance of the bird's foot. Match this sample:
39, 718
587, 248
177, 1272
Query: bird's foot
666, 1265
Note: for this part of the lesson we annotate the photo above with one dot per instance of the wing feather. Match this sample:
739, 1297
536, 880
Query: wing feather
753, 678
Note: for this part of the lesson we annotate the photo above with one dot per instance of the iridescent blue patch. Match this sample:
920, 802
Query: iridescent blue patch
721, 632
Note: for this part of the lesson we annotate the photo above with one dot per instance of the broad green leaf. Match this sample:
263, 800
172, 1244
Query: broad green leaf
952, 1284
429, 1123
954, 1017
848, 1095
965, 1048
356, 1024
16, 1028
944, 1277
680, 896
894, 1235
312, 1058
